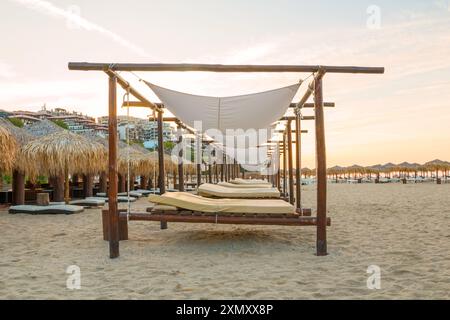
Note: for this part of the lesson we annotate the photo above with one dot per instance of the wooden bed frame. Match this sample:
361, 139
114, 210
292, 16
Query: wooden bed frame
188, 216
314, 88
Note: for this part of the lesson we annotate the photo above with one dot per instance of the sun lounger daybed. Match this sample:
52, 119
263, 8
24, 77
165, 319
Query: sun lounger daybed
120, 199
144, 192
220, 191
189, 208
197, 203
250, 182
236, 185
86, 203
50, 209
134, 194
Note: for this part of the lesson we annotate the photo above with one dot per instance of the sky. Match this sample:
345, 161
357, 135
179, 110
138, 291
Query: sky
402, 115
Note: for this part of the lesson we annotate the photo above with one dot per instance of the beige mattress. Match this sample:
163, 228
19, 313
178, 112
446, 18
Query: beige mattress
220, 191
238, 186
250, 182
192, 202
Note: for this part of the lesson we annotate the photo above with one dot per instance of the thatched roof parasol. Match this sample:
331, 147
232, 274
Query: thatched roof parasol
43, 128
64, 151
355, 169
336, 170
437, 165
406, 166
8, 149
22, 137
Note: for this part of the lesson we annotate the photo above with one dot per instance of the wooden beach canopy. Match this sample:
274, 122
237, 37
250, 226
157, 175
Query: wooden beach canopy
8, 149
21, 137
21, 165
64, 152
314, 89
43, 128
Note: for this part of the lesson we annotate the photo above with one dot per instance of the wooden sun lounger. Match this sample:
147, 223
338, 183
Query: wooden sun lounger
240, 186
221, 191
87, 203
119, 199
215, 211
134, 194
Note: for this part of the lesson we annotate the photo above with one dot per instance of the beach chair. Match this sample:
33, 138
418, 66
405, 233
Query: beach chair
250, 182
221, 191
120, 199
236, 185
185, 207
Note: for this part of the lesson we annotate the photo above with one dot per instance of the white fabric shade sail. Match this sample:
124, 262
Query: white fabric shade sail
240, 124
251, 111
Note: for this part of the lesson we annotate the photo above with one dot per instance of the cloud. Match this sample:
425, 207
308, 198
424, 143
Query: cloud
6, 71
46, 7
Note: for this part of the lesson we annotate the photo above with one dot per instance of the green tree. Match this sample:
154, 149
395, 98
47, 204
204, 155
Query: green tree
168, 146
16, 122
61, 124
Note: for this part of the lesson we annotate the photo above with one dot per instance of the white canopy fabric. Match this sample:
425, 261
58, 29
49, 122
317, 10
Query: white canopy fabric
249, 117
252, 111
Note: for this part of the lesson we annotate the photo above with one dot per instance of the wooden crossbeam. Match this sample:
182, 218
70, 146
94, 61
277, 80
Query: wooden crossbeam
179, 67
289, 118
198, 217
311, 105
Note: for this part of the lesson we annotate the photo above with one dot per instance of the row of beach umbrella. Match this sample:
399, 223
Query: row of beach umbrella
45, 149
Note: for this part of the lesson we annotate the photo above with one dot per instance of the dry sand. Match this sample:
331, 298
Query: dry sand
404, 229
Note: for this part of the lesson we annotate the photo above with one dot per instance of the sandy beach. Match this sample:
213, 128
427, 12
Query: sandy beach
404, 229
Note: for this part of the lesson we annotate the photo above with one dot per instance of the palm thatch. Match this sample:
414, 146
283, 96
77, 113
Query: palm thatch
8, 149
336, 170
64, 151
43, 128
437, 165
22, 137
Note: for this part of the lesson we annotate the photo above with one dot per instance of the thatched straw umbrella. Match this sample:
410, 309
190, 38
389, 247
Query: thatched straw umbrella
40, 129
336, 171
22, 137
43, 128
8, 149
376, 170
388, 168
437, 165
64, 152
357, 170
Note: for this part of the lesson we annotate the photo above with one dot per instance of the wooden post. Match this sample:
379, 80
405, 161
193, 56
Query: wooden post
103, 182
66, 185
278, 182
298, 163
122, 187
210, 173
88, 181
284, 166
290, 163
113, 219
180, 162
18, 188
198, 158
321, 169
58, 189
162, 186
143, 184
222, 168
